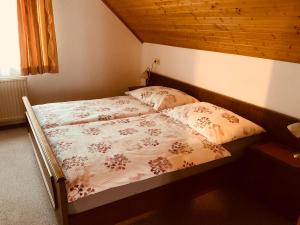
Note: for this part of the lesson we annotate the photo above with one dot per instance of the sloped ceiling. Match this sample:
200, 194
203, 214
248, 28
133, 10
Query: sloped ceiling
259, 28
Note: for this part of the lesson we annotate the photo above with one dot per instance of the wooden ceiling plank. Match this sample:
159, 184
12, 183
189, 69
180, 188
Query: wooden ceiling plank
261, 28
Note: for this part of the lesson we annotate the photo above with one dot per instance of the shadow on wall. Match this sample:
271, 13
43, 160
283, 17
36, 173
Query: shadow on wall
98, 55
284, 96
283, 92
267, 83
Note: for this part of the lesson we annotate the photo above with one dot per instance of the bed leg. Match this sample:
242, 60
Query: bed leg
27, 124
62, 204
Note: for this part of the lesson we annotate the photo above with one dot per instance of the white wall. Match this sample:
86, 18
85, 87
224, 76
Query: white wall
98, 55
267, 83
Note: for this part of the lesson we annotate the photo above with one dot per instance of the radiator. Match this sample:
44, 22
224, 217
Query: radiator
11, 105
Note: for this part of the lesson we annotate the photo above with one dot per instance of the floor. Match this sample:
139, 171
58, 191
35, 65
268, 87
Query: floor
23, 198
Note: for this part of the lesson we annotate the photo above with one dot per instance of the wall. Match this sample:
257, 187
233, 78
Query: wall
267, 83
98, 55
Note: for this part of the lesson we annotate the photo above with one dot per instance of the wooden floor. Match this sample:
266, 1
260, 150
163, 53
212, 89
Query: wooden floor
24, 199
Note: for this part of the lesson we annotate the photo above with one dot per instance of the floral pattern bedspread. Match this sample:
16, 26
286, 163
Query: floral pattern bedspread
75, 112
100, 155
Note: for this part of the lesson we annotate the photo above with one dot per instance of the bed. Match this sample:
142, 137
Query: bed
122, 152
110, 204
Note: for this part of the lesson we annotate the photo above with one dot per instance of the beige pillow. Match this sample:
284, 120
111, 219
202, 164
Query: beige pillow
160, 97
217, 124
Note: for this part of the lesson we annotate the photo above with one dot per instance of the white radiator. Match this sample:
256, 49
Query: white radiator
11, 105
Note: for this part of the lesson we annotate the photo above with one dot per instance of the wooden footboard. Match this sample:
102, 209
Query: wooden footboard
52, 173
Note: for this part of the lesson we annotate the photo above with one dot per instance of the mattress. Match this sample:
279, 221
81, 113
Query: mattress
76, 112
236, 148
116, 155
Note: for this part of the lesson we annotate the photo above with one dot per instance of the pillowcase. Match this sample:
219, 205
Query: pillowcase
217, 124
160, 97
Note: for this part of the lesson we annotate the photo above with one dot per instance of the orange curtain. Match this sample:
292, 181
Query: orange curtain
37, 37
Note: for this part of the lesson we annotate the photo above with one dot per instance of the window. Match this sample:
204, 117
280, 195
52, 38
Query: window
9, 39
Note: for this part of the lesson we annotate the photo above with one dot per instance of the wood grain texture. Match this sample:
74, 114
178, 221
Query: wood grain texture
259, 28
51, 171
42, 143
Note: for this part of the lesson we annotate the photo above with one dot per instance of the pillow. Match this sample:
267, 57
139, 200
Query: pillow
161, 97
218, 125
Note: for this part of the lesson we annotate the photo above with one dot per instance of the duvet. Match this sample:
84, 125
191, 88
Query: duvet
101, 155
76, 112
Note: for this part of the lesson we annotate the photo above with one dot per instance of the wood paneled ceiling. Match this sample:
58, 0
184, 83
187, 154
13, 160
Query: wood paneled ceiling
259, 28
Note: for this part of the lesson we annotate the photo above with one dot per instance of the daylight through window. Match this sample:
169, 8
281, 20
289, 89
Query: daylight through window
9, 39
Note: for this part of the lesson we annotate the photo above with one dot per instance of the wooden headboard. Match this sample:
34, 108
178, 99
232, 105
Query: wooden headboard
275, 123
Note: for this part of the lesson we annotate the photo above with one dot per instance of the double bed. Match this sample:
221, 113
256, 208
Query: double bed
99, 155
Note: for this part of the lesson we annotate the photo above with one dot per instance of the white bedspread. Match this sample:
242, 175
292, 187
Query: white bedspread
76, 112
101, 155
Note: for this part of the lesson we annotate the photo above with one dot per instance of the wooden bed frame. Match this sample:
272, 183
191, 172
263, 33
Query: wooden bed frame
112, 213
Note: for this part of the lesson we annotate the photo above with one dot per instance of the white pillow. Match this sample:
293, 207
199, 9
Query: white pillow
160, 97
217, 124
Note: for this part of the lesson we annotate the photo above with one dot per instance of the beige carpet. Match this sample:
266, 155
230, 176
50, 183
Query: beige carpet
23, 198
24, 201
